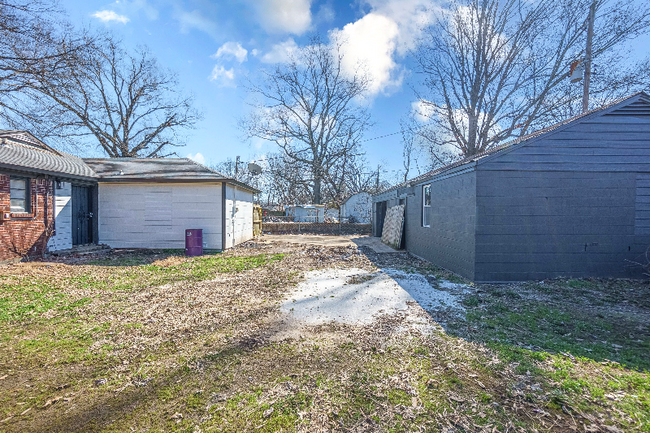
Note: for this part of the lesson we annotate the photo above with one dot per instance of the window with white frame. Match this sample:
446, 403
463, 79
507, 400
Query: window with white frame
426, 204
19, 195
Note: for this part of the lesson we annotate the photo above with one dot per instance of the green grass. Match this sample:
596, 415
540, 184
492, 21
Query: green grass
29, 297
573, 337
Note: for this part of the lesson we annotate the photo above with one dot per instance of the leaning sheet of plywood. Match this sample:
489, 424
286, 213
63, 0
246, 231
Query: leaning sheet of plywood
393, 224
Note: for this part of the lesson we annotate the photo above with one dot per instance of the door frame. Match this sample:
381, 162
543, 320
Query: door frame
93, 221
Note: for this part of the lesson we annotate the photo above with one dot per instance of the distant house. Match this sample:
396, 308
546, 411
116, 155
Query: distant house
52, 201
306, 213
570, 200
43, 197
148, 203
357, 208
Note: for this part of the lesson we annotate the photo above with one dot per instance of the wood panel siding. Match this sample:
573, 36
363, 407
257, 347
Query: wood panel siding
642, 206
614, 142
449, 240
149, 215
583, 227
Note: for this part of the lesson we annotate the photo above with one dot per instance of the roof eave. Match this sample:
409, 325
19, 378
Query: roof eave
57, 174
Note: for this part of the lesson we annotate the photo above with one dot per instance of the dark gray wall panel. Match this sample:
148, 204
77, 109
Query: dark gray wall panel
583, 227
449, 241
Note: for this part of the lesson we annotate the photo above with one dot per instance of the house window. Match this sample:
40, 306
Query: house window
426, 204
20, 195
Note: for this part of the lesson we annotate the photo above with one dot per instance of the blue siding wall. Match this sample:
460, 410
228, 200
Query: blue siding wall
572, 203
537, 225
449, 241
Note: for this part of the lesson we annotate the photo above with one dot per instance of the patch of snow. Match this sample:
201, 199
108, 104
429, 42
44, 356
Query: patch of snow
327, 295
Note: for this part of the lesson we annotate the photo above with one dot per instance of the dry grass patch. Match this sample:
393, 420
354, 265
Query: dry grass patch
155, 342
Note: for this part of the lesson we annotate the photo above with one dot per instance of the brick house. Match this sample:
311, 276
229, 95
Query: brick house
51, 201
35, 186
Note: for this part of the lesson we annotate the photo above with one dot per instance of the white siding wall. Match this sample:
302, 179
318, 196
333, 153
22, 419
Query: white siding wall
63, 219
358, 206
154, 215
239, 216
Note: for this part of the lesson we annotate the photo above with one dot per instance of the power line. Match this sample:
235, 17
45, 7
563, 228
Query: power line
381, 136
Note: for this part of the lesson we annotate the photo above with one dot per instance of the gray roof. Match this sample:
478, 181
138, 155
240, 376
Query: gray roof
518, 141
156, 170
21, 151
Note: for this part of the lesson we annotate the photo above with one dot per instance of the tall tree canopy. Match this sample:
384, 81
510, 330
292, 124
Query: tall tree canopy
34, 40
498, 69
126, 102
310, 108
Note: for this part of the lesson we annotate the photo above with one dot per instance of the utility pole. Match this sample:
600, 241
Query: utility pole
590, 37
377, 187
236, 166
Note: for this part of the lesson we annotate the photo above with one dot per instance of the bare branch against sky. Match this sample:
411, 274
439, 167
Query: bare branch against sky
310, 108
495, 70
122, 102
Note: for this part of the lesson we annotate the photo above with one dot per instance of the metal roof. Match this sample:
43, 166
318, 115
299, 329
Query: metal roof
157, 170
520, 140
21, 151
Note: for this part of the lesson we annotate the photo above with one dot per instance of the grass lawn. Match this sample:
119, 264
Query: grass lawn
157, 342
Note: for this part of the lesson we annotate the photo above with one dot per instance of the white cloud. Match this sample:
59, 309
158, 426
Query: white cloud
255, 52
136, 6
282, 52
370, 43
411, 16
224, 77
284, 16
232, 50
196, 20
197, 157
107, 16
379, 38
325, 14
423, 110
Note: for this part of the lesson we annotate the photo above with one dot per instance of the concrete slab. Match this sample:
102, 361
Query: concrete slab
375, 244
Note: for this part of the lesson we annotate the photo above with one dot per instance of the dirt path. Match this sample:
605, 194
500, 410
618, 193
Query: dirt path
319, 240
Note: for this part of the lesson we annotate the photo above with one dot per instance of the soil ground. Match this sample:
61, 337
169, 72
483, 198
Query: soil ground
152, 341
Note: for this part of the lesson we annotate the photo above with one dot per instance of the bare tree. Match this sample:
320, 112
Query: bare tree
34, 40
408, 139
283, 181
123, 102
497, 69
310, 109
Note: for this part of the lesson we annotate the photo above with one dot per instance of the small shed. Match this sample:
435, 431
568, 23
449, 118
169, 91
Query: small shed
357, 208
306, 213
571, 200
149, 203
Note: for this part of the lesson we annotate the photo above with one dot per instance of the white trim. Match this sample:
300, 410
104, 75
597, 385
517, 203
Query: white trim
425, 206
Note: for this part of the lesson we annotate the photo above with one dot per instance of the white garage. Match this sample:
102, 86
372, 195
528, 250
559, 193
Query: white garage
149, 203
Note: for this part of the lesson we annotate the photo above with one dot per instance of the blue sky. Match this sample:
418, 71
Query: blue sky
215, 45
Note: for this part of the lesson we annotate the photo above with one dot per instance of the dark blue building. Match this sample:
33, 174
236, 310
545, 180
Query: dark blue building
571, 200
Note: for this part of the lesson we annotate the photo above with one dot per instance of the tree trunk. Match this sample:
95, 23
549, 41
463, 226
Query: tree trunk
317, 188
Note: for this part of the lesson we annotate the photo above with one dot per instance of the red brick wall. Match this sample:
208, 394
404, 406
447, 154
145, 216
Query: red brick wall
26, 234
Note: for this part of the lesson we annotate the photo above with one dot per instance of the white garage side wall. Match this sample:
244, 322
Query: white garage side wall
62, 240
239, 215
156, 215
358, 206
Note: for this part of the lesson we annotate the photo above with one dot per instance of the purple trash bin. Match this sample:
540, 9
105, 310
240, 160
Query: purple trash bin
193, 242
